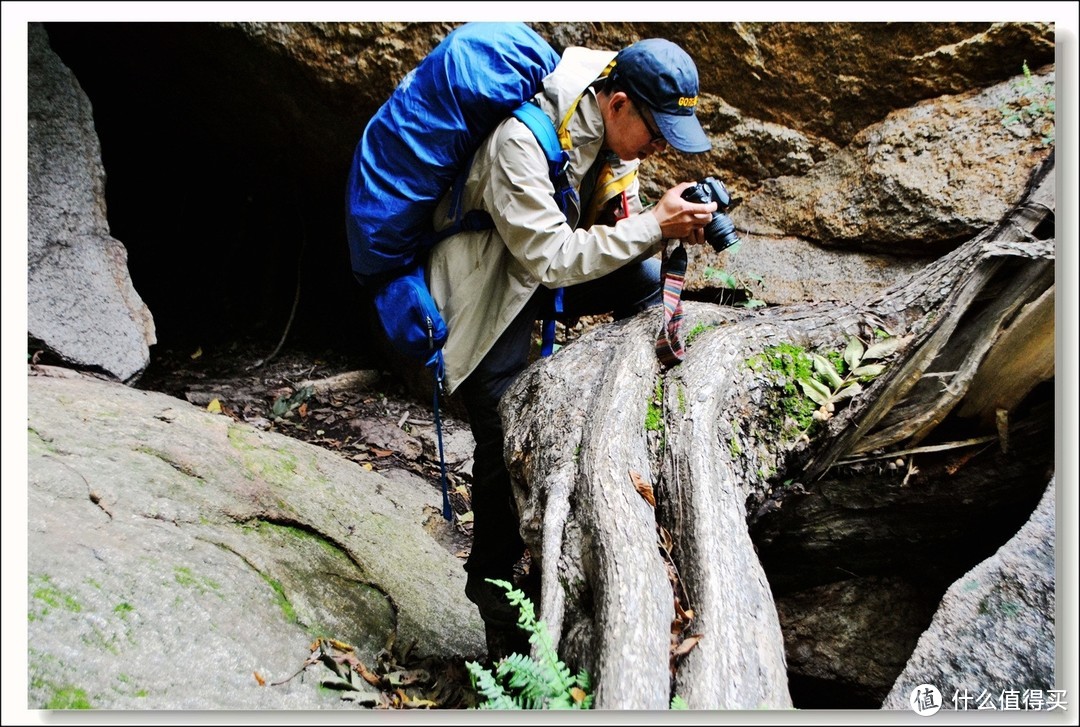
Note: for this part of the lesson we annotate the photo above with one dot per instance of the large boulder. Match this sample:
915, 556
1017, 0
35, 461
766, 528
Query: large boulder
182, 560
82, 307
993, 634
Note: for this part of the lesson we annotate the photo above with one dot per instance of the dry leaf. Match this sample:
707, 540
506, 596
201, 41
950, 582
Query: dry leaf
665, 539
643, 488
369, 676
259, 679
687, 645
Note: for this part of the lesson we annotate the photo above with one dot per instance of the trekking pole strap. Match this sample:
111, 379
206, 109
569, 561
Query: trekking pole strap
447, 511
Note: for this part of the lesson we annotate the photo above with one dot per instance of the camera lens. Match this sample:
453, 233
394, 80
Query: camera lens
720, 232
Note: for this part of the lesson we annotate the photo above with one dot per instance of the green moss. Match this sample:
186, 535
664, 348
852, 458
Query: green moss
654, 414
275, 466
696, 331
836, 358
43, 590
185, 577
123, 609
682, 399
783, 365
239, 440
68, 697
126, 683
281, 599
36, 444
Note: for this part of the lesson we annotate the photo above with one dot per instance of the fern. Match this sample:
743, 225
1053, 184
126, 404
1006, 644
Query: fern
522, 682
495, 697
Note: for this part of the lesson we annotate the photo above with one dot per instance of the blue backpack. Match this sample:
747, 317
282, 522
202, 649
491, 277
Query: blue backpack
415, 148
417, 145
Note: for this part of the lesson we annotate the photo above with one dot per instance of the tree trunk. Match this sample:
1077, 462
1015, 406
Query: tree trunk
673, 599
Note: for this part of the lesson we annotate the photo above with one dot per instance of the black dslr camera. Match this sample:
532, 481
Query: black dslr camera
720, 232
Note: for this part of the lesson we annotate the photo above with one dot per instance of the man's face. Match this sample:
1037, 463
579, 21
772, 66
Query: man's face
630, 130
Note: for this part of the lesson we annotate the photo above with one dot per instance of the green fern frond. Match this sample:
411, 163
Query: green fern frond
522, 682
527, 679
494, 696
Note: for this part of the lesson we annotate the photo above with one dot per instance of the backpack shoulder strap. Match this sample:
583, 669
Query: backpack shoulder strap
558, 160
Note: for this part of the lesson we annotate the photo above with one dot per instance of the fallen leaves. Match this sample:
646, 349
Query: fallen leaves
681, 642
393, 682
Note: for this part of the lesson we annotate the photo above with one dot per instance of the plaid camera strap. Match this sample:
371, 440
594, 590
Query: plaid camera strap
669, 347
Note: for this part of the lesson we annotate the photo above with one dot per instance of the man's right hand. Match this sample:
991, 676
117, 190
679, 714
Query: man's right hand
681, 219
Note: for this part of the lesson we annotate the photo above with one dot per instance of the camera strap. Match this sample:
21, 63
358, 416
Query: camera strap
669, 347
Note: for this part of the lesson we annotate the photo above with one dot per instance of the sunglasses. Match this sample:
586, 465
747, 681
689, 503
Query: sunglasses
654, 133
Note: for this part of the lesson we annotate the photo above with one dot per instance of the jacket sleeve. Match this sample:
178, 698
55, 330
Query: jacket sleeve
518, 195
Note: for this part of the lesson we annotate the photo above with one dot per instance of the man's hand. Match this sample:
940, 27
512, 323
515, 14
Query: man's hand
680, 219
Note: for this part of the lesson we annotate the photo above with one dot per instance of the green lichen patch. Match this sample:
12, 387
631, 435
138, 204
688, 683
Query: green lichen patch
68, 697
188, 579
654, 413
47, 596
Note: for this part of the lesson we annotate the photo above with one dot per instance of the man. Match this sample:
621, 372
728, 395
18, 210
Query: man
492, 285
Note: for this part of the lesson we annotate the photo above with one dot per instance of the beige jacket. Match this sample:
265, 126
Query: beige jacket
481, 280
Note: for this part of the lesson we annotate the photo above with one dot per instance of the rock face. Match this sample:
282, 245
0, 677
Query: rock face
177, 559
874, 194
846, 641
859, 151
82, 306
993, 635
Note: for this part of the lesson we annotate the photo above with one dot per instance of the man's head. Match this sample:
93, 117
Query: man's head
659, 75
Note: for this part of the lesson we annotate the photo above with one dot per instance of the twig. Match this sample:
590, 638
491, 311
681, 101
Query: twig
296, 297
307, 662
920, 450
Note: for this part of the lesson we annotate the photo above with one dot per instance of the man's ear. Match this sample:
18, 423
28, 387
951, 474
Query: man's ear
618, 100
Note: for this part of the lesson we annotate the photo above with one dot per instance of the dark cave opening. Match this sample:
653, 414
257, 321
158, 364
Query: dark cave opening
222, 238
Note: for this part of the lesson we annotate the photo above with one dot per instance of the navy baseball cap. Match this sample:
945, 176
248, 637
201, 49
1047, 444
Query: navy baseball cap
661, 75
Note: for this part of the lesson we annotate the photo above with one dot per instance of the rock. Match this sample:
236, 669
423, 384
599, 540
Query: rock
917, 182
846, 642
994, 631
82, 306
859, 149
179, 559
